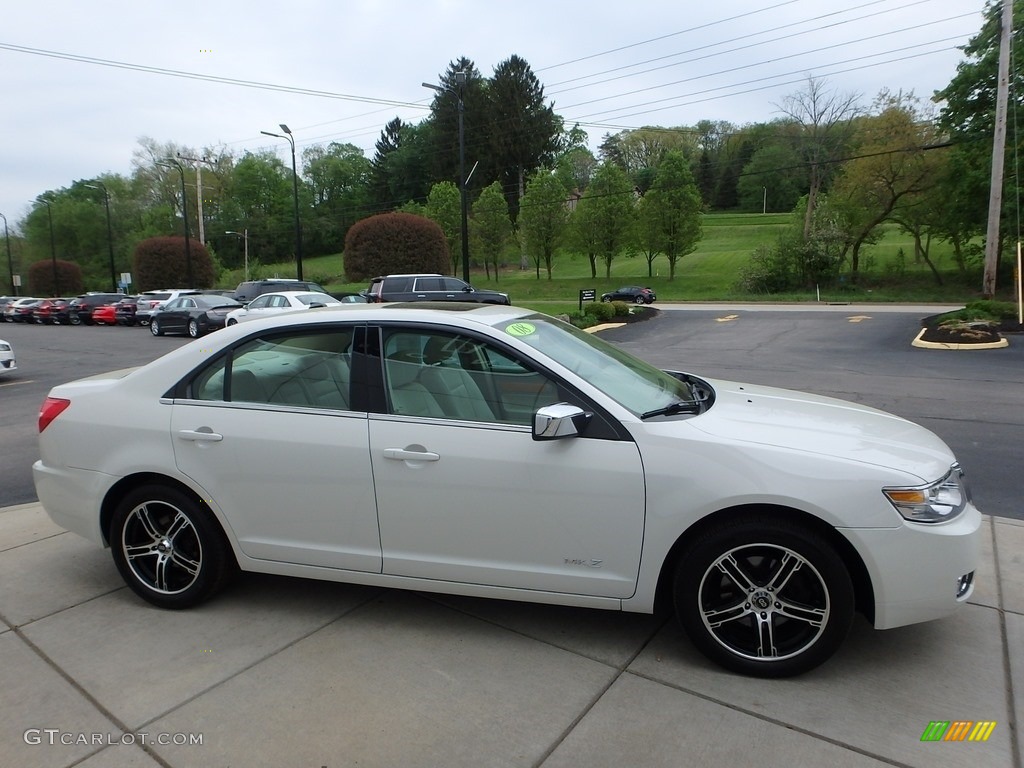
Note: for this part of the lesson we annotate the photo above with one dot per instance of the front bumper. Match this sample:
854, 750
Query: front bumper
920, 572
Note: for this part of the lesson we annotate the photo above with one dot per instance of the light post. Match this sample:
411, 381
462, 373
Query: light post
460, 79
244, 234
53, 246
110, 232
10, 261
295, 192
170, 162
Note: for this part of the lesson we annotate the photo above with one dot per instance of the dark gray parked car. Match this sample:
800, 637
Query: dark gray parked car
429, 288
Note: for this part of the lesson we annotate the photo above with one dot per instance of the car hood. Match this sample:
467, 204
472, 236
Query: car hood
825, 426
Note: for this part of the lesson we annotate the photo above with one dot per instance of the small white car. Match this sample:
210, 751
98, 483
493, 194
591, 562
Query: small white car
8, 362
491, 451
285, 301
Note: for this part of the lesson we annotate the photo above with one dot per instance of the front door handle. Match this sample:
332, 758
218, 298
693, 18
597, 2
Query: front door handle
201, 435
401, 454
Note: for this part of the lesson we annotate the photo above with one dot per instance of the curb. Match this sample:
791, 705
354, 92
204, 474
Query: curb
917, 342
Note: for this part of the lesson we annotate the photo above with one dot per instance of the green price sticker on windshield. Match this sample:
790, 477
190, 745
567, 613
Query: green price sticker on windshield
520, 329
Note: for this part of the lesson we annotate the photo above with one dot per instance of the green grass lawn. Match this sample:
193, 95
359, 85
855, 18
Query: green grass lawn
708, 274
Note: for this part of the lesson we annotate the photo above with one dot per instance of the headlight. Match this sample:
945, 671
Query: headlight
933, 503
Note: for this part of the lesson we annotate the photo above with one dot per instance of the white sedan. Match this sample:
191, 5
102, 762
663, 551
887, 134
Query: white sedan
492, 451
8, 362
285, 301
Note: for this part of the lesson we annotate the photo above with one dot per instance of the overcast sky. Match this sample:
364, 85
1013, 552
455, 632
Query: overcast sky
608, 65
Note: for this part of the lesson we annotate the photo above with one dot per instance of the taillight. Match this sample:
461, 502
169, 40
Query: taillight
51, 408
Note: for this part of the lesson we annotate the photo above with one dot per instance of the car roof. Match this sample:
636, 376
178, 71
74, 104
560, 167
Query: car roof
294, 293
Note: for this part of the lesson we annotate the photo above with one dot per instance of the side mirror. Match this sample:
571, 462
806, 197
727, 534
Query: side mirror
554, 422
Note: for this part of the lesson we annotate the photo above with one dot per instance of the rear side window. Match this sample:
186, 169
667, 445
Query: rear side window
430, 284
307, 370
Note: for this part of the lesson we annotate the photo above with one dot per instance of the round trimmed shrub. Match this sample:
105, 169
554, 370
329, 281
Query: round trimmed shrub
160, 262
69, 278
394, 243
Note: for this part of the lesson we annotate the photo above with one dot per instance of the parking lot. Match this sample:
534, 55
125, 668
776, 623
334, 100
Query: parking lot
287, 672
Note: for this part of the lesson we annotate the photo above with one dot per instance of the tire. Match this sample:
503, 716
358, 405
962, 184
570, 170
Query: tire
639, 300
169, 549
606, 299
193, 329
726, 601
74, 319
155, 329
232, 321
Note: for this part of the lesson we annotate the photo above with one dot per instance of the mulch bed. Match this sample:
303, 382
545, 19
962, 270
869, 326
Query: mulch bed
967, 333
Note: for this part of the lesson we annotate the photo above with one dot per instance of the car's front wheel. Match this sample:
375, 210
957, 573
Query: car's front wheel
639, 300
764, 597
606, 299
169, 550
194, 331
155, 329
232, 321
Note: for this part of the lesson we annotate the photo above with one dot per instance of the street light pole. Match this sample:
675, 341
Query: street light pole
295, 192
53, 246
170, 162
10, 261
110, 232
460, 79
244, 234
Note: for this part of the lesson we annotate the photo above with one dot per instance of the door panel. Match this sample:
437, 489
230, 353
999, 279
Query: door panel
489, 505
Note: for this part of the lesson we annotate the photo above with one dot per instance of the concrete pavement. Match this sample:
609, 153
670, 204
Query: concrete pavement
284, 672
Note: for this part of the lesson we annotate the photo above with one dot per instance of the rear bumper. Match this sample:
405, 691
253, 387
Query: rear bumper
72, 498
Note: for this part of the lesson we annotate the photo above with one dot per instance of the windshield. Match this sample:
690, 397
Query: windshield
634, 384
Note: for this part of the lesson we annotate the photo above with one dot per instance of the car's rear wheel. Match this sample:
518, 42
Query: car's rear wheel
155, 329
169, 550
193, 329
74, 319
764, 597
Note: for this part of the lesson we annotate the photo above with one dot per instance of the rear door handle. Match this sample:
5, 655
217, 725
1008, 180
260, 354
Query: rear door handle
201, 435
401, 454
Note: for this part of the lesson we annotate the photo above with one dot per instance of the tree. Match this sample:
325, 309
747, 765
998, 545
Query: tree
822, 122
337, 179
444, 206
491, 227
69, 277
670, 212
525, 131
607, 211
542, 218
162, 261
967, 116
258, 196
773, 180
893, 168
461, 78
391, 243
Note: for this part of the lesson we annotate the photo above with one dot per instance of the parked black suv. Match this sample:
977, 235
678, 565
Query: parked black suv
249, 290
429, 288
80, 309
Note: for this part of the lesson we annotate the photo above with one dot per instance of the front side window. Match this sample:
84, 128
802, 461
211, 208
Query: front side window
433, 374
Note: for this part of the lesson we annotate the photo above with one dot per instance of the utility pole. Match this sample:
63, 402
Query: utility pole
995, 195
199, 191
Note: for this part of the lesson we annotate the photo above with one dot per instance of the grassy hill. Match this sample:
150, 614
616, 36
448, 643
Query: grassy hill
709, 274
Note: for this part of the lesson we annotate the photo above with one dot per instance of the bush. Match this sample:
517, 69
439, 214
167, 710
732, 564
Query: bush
69, 278
159, 262
621, 309
394, 243
600, 311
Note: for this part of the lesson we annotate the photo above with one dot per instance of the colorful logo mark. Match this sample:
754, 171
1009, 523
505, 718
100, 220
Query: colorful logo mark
958, 730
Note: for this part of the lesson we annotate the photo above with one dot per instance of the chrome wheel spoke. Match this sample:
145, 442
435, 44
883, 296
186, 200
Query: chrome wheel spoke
788, 566
718, 616
179, 524
766, 637
813, 616
146, 520
188, 565
731, 568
